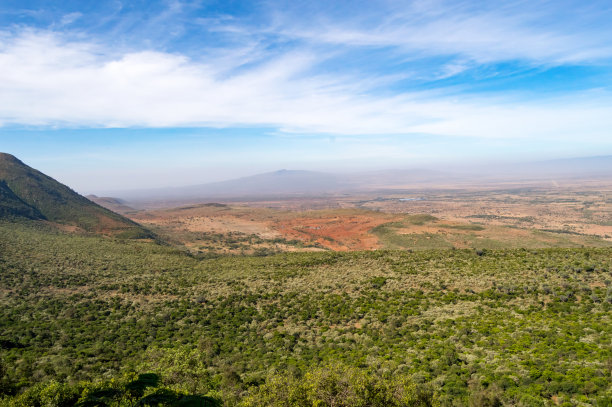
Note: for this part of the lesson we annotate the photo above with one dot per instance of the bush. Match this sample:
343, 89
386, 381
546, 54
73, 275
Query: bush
339, 386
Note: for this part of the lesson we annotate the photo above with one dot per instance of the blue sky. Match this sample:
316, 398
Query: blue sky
108, 95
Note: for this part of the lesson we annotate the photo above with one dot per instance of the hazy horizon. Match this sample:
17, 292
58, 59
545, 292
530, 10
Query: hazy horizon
472, 171
127, 95
299, 182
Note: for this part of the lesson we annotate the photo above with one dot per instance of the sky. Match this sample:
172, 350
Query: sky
110, 95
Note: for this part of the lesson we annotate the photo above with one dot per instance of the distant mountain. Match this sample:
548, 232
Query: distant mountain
278, 183
292, 183
288, 183
113, 204
29, 194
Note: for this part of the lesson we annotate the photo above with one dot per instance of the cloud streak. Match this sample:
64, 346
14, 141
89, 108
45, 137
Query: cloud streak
47, 81
535, 32
274, 75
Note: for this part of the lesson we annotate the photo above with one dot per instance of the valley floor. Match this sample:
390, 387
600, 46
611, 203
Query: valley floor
538, 216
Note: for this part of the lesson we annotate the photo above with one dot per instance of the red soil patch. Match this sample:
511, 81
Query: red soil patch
341, 232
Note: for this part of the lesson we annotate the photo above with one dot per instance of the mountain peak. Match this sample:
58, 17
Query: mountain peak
9, 158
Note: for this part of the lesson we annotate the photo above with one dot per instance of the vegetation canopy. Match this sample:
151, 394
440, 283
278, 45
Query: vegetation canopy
82, 316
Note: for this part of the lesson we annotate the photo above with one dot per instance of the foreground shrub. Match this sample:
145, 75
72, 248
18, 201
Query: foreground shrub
142, 391
339, 386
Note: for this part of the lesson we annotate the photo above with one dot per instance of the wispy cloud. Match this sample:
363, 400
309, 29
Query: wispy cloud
311, 71
537, 32
48, 80
70, 18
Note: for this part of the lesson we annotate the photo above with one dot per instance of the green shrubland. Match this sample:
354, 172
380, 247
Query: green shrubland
83, 316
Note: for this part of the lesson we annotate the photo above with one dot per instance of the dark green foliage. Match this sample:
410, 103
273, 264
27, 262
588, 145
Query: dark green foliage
420, 219
162, 397
170, 398
12, 207
108, 394
517, 327
378, 282
137, 388
196, 401
101, 398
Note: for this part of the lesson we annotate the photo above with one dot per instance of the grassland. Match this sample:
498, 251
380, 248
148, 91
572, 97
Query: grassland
84, 314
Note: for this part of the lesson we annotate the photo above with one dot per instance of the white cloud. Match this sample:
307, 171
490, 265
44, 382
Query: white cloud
535, 32
47, 80
70, 18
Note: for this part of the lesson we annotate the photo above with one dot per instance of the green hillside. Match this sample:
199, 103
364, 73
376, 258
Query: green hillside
12, 207
82, 316
28, 193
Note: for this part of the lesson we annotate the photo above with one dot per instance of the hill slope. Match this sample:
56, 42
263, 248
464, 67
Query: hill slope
28, 193
11, 206
112, 204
